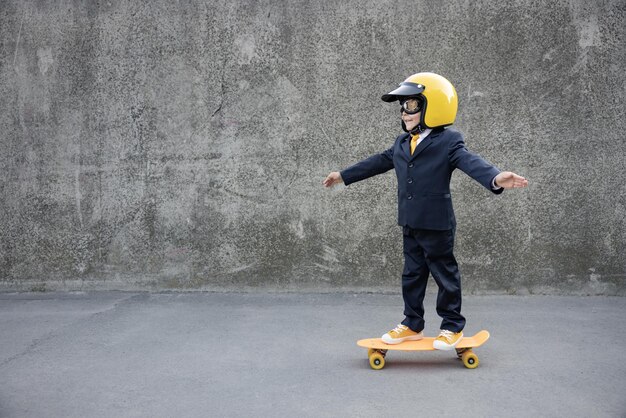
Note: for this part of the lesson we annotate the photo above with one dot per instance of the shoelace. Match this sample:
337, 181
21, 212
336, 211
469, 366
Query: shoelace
446, 334
399, 329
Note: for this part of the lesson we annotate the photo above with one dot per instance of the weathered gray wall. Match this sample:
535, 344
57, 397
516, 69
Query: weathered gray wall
162, 144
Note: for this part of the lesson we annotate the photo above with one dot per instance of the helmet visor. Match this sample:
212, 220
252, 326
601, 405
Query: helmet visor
411, 105
406, 89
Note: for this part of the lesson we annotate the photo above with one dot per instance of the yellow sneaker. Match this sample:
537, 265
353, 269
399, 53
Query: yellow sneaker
400, 334
447, 340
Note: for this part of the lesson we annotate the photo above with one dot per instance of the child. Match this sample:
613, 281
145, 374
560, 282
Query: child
424, 158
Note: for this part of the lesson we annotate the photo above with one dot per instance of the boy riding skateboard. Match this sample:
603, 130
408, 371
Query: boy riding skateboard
424, 158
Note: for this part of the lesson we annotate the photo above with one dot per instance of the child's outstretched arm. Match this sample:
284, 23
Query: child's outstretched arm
332, 179
481, 170
374, 165
509, 180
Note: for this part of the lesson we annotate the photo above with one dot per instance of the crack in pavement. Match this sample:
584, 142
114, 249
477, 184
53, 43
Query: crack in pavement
35, 343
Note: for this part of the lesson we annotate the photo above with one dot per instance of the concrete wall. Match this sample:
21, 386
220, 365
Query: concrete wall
182, 145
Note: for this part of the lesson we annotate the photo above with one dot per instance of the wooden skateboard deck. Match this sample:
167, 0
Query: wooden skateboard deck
377, 349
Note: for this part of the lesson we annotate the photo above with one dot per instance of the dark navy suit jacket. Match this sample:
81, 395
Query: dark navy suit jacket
424, 200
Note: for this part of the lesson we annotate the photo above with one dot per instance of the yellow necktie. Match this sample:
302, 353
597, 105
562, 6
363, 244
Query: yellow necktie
414, 139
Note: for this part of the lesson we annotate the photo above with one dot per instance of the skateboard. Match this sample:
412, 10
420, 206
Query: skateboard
377, 349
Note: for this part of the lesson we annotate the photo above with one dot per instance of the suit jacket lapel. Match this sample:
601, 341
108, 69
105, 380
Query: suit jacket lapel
421, 146
406, 147
425, 143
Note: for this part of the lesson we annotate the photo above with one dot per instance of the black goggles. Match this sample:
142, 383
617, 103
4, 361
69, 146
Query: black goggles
410, 106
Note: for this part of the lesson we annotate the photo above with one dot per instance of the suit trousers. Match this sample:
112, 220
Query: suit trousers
429, 251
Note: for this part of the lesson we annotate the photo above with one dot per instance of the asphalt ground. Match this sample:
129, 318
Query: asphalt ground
116, 354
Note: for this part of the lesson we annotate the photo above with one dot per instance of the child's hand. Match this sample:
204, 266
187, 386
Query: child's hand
332, 179
510, 180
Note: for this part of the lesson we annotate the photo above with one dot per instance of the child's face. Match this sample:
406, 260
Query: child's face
411, 121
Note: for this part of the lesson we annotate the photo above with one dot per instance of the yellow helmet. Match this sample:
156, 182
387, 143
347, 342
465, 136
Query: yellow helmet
439, 96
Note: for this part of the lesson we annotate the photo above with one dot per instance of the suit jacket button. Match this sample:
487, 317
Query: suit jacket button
410, 181
411, 165
409, 197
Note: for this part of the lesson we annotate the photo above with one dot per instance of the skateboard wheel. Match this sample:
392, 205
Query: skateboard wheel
470, 360
377, 361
